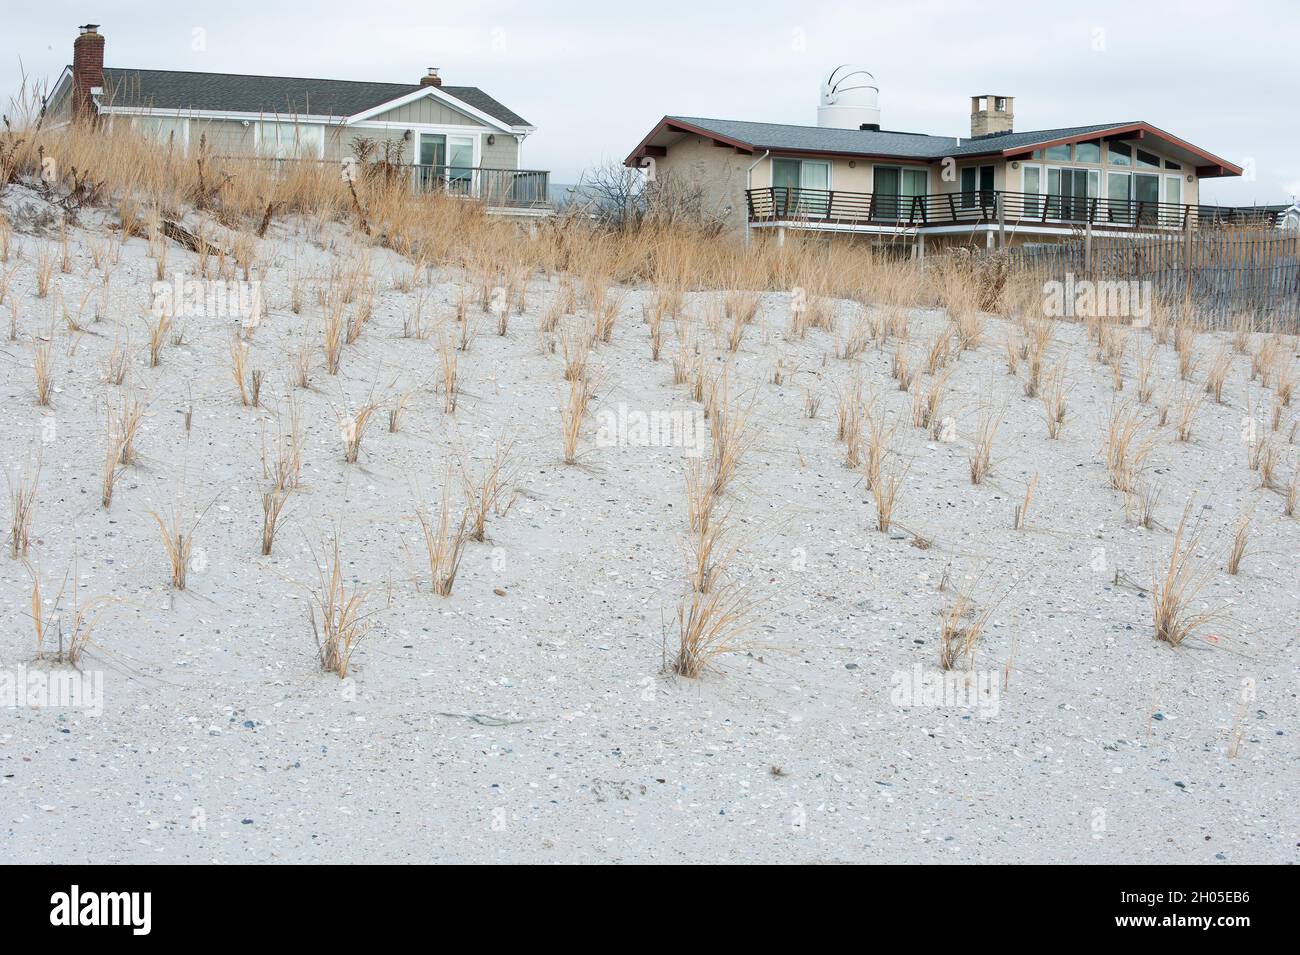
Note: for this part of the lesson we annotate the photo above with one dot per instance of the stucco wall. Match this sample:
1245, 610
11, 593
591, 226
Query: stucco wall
719, 173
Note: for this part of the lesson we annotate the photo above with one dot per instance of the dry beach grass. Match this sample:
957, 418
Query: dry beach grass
475, 610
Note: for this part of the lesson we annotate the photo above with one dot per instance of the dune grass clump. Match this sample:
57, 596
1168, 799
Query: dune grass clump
490, 491
444, 541
1175, 588
981, 455
336, 609
1126, 447
22, 508
961, 630
711, 624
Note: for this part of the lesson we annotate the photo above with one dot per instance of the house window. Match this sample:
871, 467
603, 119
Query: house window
1088, 152
168, 130
290, 140
1119, 194
1147, 160
1121, 154
1069, 191
447, 162
1174, 190
801, 173
800, 185
1170, 164
1059, 153
1032, 186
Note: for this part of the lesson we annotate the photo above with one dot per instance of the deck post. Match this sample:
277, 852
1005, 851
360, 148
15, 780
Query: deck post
919, 250
1087, 248
780, 236
1002, 222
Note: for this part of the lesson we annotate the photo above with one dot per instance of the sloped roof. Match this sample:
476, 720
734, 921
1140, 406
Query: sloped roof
778, 136
241, 93
1000, 141
871, 142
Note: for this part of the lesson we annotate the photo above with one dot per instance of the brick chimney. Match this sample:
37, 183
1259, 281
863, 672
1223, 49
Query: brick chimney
990, 115
432, 78
87, 70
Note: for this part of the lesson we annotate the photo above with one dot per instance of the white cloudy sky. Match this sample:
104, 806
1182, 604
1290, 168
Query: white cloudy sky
595, 76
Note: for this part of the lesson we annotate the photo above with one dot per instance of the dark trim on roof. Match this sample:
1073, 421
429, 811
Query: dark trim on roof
1214, 165
1136, 131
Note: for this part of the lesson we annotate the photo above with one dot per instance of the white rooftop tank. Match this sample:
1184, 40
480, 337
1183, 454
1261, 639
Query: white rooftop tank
850, 99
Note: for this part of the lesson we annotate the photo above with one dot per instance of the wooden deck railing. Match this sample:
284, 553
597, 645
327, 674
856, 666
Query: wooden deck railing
781, 203
510, 188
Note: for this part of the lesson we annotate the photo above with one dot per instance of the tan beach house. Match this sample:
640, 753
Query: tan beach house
849, 175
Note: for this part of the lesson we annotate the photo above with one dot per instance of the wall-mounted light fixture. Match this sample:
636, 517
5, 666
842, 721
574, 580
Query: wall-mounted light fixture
1190, 177
491, 140
1015, 165
406, 135
853, 164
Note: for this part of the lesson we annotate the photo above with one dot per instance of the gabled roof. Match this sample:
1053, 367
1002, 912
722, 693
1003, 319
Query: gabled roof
783, 138
240, 93
918, 147
1001, 142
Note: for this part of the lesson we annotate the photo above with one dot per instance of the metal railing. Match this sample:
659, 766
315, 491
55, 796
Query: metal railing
506, 188
783, 203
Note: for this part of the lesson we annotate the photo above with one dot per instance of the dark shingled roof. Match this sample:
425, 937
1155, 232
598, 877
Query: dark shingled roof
179, 89
868, 142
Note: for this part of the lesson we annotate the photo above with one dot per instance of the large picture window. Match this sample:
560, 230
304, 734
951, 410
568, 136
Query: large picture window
167, 130
290, 140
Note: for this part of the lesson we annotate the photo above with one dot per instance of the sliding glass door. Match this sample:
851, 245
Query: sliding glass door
888, 184
1146, 193
432, 158
801, 186
895, 190
447, 162
1119, 198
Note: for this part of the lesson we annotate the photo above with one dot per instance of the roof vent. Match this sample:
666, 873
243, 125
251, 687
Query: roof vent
850, 99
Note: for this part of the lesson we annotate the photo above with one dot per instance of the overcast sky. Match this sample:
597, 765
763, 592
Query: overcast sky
595, 77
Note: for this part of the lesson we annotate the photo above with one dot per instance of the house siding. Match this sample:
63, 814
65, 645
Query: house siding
502, 154
426, 111
225, 137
